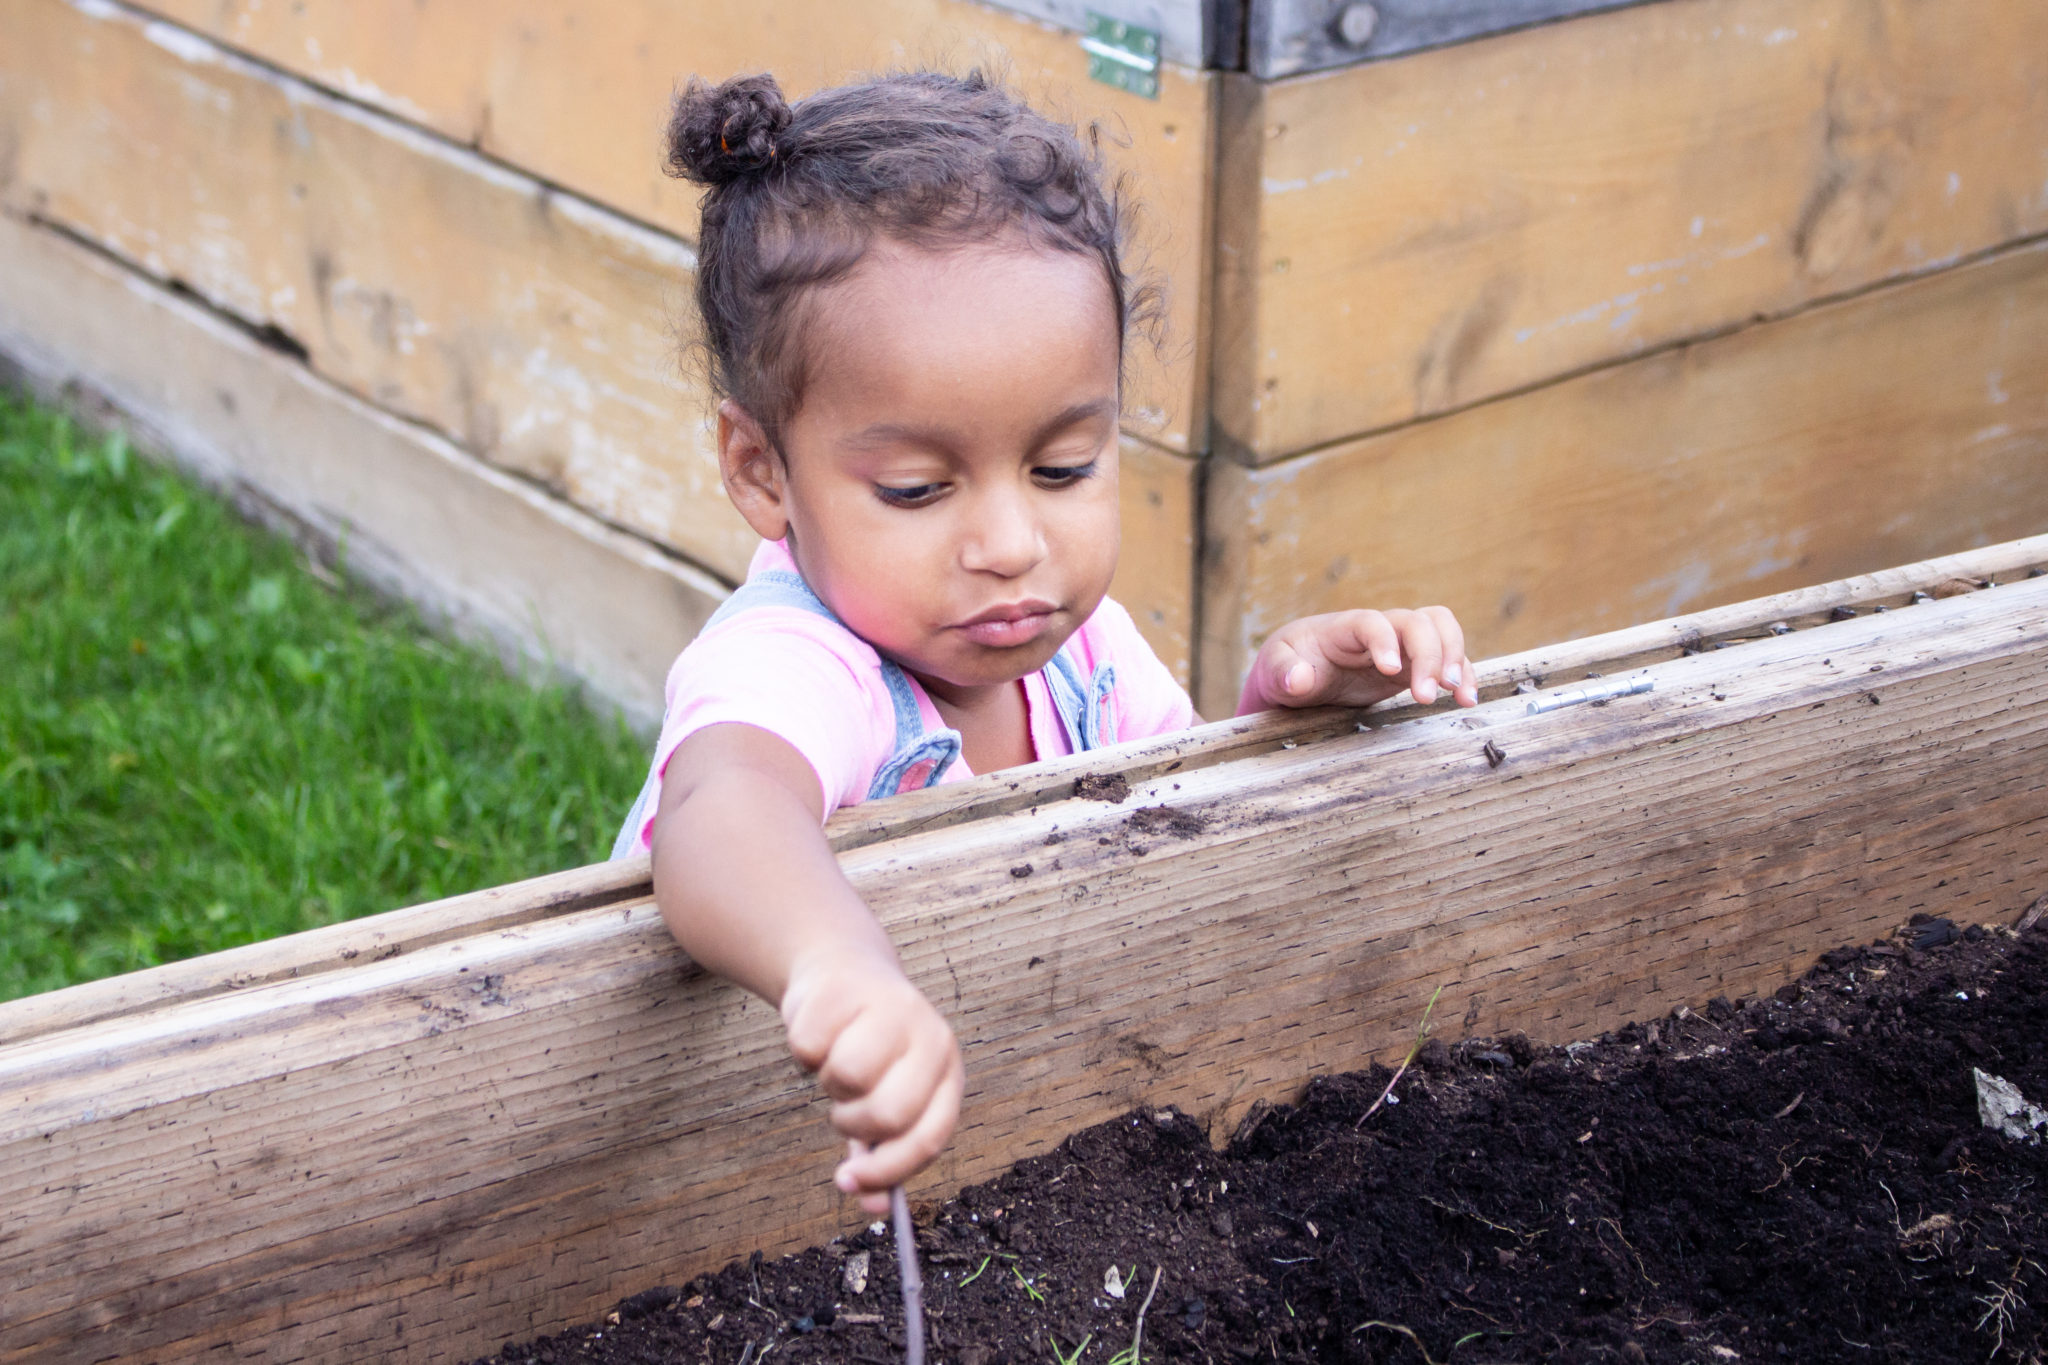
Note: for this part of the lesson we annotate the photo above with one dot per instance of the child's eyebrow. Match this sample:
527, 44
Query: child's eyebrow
1073, 416
943, 439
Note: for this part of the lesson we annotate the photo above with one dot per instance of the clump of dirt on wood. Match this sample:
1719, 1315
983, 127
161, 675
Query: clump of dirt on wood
1114, 788
1802, 1177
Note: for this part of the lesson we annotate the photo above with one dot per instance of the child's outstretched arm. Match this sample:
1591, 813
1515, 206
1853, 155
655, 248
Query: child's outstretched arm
1356, 658
749, 887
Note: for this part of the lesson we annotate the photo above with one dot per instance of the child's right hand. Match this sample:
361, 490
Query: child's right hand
886, 1057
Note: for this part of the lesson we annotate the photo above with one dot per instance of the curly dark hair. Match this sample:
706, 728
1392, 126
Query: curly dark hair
796, 195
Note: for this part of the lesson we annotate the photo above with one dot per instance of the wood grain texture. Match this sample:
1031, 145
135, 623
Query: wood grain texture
577, 96
488, 555
1407, 237
335, 947
1155, 573
528, 326
1909, 421
495, 1135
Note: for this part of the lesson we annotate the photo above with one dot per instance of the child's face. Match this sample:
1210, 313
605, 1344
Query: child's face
950, 480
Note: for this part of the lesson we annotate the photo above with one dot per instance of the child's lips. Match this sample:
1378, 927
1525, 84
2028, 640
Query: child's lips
1015, 623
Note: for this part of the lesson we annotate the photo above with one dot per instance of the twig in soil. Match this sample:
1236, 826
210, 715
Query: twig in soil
1784, 1171
1641, 1269
1790, 1107
1407, 1332
1421, 1032
2033, 916
1999, 1307
1526, 1237
1131, 1354
912, 1278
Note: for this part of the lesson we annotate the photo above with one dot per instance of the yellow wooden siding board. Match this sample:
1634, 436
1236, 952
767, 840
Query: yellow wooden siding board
1406, 237
485, 553
1155, 573
578, 95
1907, 422
534, 329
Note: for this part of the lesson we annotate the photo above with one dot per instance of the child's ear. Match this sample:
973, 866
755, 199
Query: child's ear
752, 473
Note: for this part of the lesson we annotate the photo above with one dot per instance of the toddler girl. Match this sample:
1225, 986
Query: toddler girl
915, 303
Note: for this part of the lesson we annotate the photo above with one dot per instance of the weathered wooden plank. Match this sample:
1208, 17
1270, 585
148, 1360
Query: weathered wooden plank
530, 327
487, 554
1404, 238
398, 931
1905, 422
526, 325
1155, 574
1287, 37
495, 1135
576, 95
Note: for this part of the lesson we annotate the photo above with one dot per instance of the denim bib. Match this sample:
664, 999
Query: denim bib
920, 757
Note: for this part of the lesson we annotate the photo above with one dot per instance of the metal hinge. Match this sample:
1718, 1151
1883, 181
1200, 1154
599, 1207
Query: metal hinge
1122, 54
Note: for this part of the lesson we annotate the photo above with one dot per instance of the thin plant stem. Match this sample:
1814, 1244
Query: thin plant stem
911, 1276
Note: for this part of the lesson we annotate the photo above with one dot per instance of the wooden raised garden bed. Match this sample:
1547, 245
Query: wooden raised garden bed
417, 1135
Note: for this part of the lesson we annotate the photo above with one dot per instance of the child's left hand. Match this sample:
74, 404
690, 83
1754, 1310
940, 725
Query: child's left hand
1356, 658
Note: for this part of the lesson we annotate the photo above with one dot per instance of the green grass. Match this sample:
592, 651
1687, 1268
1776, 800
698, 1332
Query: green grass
202, 745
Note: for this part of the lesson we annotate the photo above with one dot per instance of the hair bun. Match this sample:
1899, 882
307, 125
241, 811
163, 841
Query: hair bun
721, 133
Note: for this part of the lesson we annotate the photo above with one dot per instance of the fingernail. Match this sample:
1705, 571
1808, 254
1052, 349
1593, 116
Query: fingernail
1424, 690
1453, 675
843, 1178
1299, 678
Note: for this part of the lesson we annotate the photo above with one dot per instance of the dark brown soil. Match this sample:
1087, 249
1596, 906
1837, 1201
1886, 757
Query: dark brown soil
1800, 1178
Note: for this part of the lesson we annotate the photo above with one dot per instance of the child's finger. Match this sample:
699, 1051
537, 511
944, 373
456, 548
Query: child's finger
860, 1057
893, 1103
813, 1024
1457, 670
872, 1171
1290, 677
1364, 636
1425, 652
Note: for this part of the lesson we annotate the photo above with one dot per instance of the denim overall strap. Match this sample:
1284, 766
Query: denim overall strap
918, 759
1083, 704
921, 758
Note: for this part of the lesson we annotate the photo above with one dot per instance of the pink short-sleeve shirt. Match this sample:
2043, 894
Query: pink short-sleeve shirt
812, 682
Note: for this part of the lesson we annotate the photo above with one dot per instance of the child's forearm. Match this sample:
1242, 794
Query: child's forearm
750, 888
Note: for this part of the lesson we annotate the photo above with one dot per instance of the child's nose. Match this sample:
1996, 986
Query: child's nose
1004, 537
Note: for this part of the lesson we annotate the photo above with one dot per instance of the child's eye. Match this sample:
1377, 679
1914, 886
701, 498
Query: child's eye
915, 496
1064, 475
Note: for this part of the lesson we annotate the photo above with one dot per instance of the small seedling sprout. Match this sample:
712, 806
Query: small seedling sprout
1421, 1033
1029, 1288
977, 1272
1133, 1353
1067, 1358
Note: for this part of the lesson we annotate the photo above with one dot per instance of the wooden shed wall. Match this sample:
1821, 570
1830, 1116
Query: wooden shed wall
1638, 313
533, 325
1541, 325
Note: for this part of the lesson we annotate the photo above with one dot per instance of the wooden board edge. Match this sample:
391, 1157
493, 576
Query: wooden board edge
1767, 693
862, 827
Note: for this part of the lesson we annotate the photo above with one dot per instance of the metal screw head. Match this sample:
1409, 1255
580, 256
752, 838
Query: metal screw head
1356, 24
